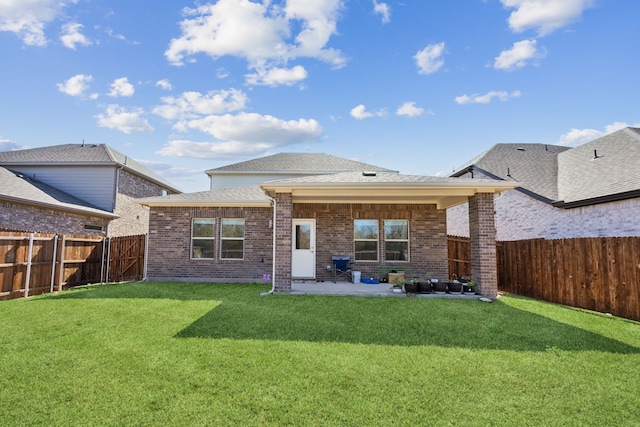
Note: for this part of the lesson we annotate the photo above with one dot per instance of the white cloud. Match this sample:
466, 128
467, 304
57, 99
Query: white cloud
262, 33
487, 97
257, 128
429, 60
76, 85
71, 36
164, 84
277, 76
243, 134
576, 137
8, 145
119, 118
28, 18
121, 87
383, 10
545, 16
360, 112
409, 109
194, 104
518, 55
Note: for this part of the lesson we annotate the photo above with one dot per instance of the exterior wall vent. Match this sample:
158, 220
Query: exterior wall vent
369, 173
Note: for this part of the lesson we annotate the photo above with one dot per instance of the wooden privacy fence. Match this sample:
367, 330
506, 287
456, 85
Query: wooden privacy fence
36, 263
459, 257
600, 274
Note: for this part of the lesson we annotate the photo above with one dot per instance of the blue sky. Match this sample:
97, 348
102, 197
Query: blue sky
416, 86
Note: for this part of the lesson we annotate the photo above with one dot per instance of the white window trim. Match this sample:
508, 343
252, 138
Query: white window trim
222, 239
377, 240
215, 224
407, 240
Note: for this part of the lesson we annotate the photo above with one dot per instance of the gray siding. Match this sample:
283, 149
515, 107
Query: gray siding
93, 184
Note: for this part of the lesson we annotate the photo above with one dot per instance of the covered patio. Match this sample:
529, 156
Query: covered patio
329, 205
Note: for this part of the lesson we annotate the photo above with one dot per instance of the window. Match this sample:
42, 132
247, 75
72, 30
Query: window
232, 239
203, 233
396, 240
365, 235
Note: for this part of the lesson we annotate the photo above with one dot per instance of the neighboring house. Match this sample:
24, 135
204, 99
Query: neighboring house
31, 205
592, 190
283, 166
96, 175
289, 229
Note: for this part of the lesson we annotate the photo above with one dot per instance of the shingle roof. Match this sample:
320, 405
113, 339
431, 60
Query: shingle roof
80, 154
533, 166
298, 163
600, 168
372, 178
23, 189
251, 195
605, 169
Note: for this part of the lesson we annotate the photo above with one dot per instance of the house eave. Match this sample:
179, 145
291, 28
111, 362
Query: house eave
597, 200
234, 204
62, 208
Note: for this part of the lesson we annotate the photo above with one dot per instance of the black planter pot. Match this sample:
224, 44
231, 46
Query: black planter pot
455, 288
439, 287
467, 289
424, 287
411, 288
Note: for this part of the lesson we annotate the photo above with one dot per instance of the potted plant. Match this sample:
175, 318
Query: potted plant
411, 286
424, 286
438, 286
455, 286
469, 286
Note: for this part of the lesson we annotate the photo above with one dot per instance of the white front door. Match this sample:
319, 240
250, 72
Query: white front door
303, 251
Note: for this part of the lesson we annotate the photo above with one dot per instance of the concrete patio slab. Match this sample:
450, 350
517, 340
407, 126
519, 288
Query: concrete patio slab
363, 289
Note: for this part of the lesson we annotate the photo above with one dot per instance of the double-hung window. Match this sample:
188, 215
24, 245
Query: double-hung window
365, 236
396, 240
203, 232
232, 239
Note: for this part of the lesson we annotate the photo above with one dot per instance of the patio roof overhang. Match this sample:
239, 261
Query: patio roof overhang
444, 193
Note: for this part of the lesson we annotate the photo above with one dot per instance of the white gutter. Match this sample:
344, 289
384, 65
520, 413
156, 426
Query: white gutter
273, 256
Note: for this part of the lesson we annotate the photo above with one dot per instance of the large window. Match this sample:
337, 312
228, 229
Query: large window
396, 240
203, 231
232, 239
365, 236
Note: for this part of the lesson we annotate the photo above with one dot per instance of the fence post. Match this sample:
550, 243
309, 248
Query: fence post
61, 271
28, 278
53, 263
108, 259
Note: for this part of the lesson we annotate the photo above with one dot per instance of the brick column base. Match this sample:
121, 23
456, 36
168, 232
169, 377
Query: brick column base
482, 233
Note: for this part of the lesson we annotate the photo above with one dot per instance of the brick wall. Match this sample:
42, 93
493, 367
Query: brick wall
170, 241
483, 243
284, 207
18, 216
170, 245
134, 218
521, 217
334, 236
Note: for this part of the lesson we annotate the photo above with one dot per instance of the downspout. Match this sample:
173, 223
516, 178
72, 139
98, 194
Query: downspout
273, 255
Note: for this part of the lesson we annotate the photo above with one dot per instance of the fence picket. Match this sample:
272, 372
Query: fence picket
30, 265
601, 274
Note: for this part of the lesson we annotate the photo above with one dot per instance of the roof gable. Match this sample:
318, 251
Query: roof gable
533, 166
297, 163
601, 168
80, 154
20, 188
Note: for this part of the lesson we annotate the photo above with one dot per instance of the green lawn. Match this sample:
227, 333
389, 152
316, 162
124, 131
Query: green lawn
175, 354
